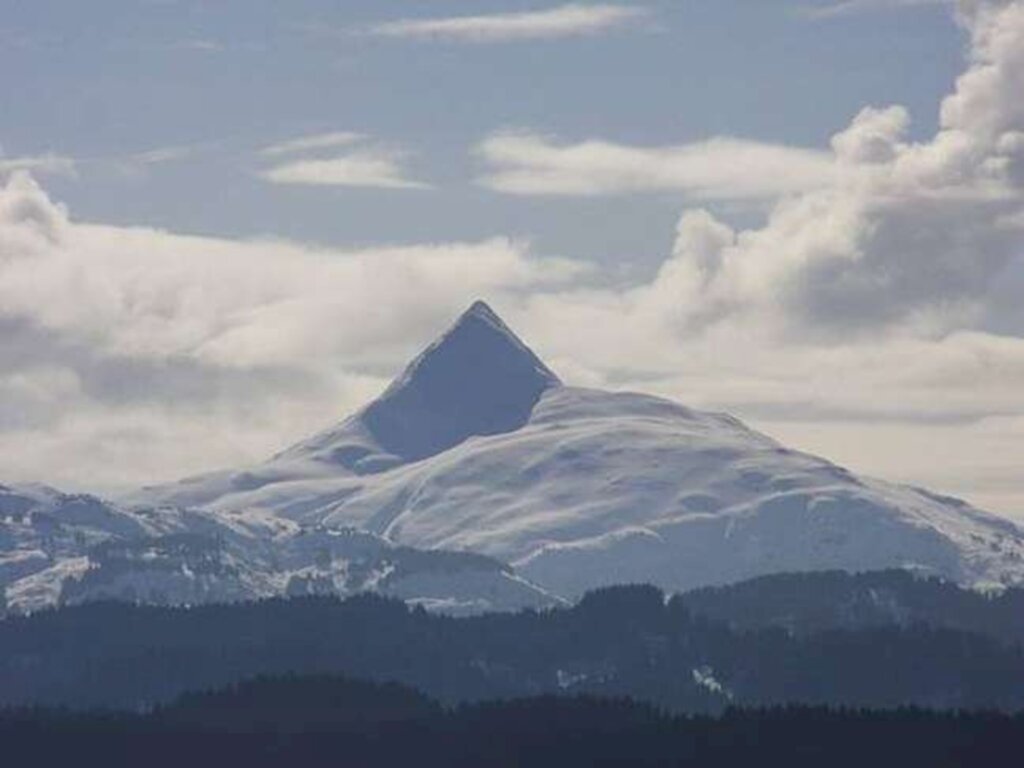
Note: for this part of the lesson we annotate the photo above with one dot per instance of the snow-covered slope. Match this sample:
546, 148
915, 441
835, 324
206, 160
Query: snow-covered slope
478, 447
60, 549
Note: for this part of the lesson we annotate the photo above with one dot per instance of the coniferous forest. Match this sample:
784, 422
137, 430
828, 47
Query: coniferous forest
330, 721
876, 640
809, 669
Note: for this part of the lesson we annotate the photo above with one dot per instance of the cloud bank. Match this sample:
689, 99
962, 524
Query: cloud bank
133, 353
910, 237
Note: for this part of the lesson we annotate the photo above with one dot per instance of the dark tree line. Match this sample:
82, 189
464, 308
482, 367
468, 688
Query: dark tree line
804, 603
327, 721
618, 642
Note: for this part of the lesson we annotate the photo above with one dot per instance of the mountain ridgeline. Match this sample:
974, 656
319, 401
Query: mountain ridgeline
478, 446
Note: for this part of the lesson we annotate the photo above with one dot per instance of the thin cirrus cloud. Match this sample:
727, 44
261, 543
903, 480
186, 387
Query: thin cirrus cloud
133, 164
315, 142
48, 163
161, 155
351, 160
850, 7
571, 20
716, 169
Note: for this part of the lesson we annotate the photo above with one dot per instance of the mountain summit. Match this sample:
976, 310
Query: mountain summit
479, 378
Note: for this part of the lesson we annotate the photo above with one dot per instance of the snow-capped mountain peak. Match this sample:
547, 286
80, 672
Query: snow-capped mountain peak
479, 378
476, 379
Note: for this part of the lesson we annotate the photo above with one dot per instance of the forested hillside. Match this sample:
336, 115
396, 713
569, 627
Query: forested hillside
327, 721
625, 641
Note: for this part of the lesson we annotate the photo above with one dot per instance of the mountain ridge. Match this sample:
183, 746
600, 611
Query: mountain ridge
581, 488
64, 549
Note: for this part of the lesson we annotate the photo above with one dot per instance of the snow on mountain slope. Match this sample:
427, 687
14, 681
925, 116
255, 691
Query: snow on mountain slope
61, 549
478, 447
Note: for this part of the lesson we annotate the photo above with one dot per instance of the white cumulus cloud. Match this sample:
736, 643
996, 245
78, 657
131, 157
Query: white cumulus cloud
718, 169
908, 235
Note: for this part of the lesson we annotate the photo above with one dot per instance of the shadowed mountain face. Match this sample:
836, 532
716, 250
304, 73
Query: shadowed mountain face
477, 379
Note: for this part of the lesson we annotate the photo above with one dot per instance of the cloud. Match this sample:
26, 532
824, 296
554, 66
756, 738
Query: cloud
362, 168
29, 222
161, 155
139, 164
851, 7
145, 344
314, 142
48, 163
365, 164
909, 237
133, 164
152, 295
717, 169
202, 45
572, 20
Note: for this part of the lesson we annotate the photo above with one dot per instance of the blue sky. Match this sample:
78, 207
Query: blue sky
102, 81
226, 224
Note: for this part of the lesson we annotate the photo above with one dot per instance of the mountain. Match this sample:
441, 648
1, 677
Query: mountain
61, 549
478, 447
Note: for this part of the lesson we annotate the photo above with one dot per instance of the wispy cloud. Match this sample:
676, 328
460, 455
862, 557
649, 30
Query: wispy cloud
720, 168
572, 20
850, 7
312, 143
132, 164
200, 44
369, 165
162, 155
139, 164
48, 163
